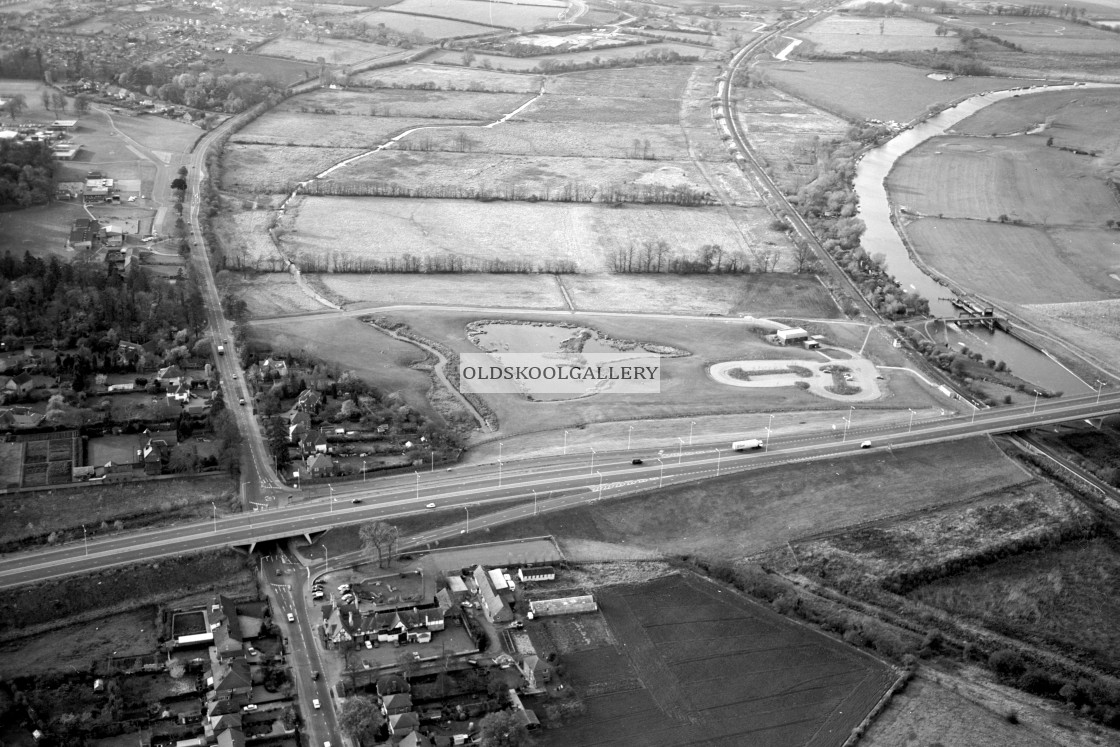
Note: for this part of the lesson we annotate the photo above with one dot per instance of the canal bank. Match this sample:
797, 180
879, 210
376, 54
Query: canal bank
885, 235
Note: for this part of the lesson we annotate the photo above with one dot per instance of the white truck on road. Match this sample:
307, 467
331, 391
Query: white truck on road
750, 443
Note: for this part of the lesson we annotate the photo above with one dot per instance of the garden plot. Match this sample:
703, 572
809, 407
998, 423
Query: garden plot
398, 103
446, 78
330, 130
585, 235
423, 27
246, 242
275, 169
1016, 179
333, 51
510, 15
836, 34
1013, 263
874, 90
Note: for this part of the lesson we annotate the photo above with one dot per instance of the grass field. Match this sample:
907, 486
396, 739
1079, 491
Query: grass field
81, 646
245, 240
1101, 316
874, 90
270, 293
491, 13
984, 178
607, 110
427, 27
285, 72
391, 102
333, 51
1048, 35
515, 291
1047, 596
836, 33
1083, 119
1018, 263
445, 77
776, 683
757, 295
275, 168
41, 230
32, 515
655, 82
332, 131
585, 234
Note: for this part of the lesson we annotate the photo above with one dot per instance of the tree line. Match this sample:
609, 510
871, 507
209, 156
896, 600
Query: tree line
656, 256
638, 194
431, 264
26, 174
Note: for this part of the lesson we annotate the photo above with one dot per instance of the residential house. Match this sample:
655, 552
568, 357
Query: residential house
400, 724
273, 368
414, 739
171, 376
320, 465
524, 715
19, 385
232, 679
180, 394
309, 401
297, 432
314, 442
535, 672
340, 623
396, 703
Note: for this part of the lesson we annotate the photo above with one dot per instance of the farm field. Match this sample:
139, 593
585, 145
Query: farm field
837, 34
778, 682
81, 646
769, 295
159, 134
424, 27
985, 178
686, 389
554, 107
328, 229
1100, 316
244, 238
38, 513
333, 51
447, 78
509, 291
392, 102
1048, 35
332, 131
1082, 119
285, 72
511, 15
273, 169
1018, 263
270, 294
873, 90
666, 81
432, 173
929, 712
1051, 596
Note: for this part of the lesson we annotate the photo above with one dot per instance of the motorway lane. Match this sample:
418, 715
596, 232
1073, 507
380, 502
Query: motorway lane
393, 497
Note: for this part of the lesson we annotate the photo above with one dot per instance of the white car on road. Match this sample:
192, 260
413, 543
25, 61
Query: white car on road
291, 617
315, 703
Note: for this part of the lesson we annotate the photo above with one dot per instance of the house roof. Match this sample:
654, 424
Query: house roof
399, 722
397, 700
235, 676
319, 461
171, 372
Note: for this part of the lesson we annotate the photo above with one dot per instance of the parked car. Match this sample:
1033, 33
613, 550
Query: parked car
291, 617
369, 644
343, 588
315, 703
251, 707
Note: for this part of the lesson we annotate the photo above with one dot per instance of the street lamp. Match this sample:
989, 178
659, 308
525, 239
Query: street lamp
630, 434
661, 474
600, 485
1100, 385
534, 501
719, 455
565, 443
691, 423
680, 449
848, 423
1035, 408
85, 539
592, 458
215, 516
499, 474
363, 470
417, 484
331, 488
766, 446
467, 508
500, 444
910, 427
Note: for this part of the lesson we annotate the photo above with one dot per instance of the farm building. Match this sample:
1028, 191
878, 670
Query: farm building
792, 335
457, 587
493, 607
537, 573
563, 606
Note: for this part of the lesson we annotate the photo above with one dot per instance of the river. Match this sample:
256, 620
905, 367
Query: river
881, 237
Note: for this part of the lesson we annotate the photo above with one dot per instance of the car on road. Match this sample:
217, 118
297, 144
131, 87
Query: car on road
865, 445
368, 644
315, 703
279, 571
291, 617
241, 401
235, 377
635, 461
356, 500
315, 674
251, 707
430, 505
